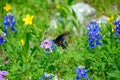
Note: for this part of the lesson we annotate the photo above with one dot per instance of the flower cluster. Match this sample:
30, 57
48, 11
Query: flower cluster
3, 74
2, 40
81, 72
48, 45
46, 76
117, 28
93, 34
9, 23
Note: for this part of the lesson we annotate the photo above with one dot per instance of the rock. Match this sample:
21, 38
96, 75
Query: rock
101, 19
82, 10
53, 24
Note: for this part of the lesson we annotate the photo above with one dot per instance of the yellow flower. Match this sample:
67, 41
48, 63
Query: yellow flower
8, 7
28, 19
57, 7
111, 19
22, 42
113, 28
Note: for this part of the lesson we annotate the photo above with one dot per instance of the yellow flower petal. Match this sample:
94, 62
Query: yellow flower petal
40, 30
22, 42
28, 19
108, 18
58, 7
113, 28
112, 18
7, 7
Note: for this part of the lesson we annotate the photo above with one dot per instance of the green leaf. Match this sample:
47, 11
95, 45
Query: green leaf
70, 2
51, 68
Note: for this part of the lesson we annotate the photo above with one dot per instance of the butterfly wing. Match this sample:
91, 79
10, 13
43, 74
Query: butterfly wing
60, 40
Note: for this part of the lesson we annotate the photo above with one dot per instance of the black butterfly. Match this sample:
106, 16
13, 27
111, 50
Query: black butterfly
60, 40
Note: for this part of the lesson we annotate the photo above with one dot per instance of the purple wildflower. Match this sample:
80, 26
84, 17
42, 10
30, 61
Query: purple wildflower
3, 74
93, 34
48, 45
9, 22
81, 72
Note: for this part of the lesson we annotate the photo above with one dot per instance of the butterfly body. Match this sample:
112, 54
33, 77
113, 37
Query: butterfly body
60, 40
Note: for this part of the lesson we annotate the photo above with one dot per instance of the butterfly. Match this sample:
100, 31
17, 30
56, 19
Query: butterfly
60, 40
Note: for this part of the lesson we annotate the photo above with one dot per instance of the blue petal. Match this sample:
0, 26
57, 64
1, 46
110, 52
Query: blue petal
43, 77
53, 45
50, 77
98, 43
91, 46
88, 27
86, 71
85, 76
90, 40
77, 70
77, 77
2, 40
14, 29
99, 37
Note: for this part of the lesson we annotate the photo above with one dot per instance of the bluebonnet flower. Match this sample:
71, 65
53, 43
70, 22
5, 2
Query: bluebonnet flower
9, 22
2, 40
117, 28
46, 76
3, 74
93, 34
81, 72
48, 45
